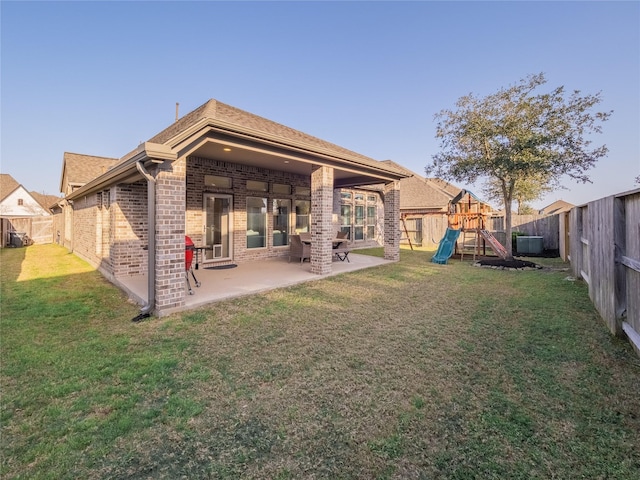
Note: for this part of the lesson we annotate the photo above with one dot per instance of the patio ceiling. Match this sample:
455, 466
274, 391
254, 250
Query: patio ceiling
265, 153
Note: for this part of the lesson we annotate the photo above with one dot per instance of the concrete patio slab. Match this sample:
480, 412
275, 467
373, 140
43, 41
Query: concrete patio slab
247, 279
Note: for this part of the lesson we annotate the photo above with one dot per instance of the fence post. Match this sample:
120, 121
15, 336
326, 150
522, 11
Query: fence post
620, 242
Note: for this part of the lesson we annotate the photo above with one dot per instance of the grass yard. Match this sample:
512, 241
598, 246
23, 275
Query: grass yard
409, 370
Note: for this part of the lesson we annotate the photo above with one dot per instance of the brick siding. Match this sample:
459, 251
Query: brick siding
392, 221
322, 227
170, 231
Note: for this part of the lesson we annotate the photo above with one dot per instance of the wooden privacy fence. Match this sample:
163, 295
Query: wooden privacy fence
605, 252
39, 229
545, 226
428, 230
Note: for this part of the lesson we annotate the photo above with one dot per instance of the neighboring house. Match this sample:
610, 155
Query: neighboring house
425, 205
421, 196
233, 181
559, 206
22, 213
48, 202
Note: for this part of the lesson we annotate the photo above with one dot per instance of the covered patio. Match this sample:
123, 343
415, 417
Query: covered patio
238, 184
247, 279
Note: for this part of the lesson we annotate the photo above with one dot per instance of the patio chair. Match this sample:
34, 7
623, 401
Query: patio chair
305, 237
298, 249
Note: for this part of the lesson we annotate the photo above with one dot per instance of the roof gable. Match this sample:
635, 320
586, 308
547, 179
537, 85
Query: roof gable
558, 206
7, 185
417, 192
78, 169
47, 201
216, 123
223, 114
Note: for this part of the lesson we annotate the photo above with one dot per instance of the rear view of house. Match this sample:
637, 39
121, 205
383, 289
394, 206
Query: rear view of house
236, 184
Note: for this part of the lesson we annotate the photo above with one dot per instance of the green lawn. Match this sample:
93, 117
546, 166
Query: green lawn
408, 370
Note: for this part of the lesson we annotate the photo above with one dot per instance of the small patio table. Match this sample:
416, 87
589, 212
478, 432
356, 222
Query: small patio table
198, 251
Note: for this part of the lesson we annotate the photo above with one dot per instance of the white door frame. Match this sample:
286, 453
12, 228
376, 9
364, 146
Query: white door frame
216, 253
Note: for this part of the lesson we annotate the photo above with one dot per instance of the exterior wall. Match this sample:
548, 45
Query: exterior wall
58, 227
123, 239
197, 168
67, 232
84, 217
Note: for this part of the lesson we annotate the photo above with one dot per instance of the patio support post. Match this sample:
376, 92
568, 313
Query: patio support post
170, 231
392, 221
321, 219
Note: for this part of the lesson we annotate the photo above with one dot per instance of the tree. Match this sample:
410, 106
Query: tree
517, 135
524, 191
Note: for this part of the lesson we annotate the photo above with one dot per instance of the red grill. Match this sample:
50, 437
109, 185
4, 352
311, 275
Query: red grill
189, 249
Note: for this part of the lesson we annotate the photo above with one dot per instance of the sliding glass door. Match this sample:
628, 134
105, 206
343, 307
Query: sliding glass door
218, 234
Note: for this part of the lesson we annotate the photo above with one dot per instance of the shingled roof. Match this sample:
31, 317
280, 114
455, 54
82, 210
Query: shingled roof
7, 185
229, 116
46, 201
216, 118
78, 169
419, 193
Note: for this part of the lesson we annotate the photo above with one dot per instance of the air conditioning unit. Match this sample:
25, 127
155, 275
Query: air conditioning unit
532, 245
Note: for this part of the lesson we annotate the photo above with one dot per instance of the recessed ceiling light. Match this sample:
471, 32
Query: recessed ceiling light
226, 149
286, 161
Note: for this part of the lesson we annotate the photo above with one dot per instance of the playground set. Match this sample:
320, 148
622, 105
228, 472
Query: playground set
466, 217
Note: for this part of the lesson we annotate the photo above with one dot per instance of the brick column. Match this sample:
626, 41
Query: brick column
170, 222
321, 219
392, 221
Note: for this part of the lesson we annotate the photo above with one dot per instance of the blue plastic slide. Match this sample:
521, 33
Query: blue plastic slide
446, 247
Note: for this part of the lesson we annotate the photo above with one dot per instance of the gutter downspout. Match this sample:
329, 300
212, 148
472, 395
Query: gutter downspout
151, 237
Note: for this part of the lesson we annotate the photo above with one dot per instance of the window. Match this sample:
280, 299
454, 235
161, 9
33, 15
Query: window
359, 197
281, 214
303, 191
359, 223
303, 217
282, 189
372, 198
20, 202
216, 181
257, 186
371, 222
345, 195
345, 219
256, 222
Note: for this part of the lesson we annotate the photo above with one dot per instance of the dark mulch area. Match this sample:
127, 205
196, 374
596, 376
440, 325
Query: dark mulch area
502, 264
544, 254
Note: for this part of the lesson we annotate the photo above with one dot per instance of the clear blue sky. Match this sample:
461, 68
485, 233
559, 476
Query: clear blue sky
100, 77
